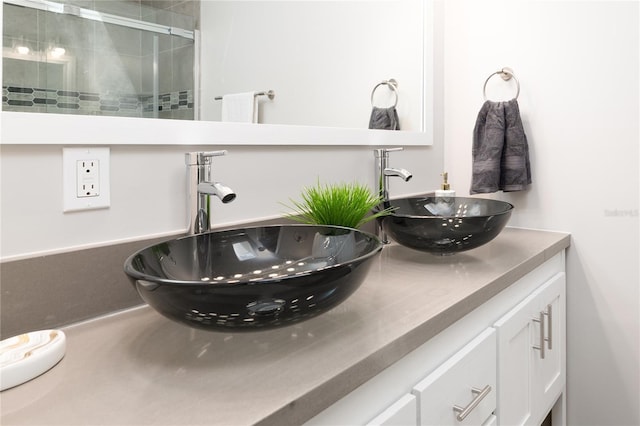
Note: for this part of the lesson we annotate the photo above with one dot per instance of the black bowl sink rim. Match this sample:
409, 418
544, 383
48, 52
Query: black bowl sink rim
137, 275
506, 207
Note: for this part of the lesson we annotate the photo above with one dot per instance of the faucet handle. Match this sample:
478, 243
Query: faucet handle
213, 153
383, 152
202, 157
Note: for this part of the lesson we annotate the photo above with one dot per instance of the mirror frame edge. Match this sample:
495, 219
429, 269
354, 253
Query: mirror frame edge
61, 129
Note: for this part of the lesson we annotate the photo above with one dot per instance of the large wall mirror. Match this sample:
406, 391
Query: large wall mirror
102, 64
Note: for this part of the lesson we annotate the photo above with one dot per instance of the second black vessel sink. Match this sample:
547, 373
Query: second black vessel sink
445, 226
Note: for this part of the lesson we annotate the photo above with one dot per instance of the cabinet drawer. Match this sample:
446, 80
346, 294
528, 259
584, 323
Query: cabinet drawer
466, 380
403, 413
491, 421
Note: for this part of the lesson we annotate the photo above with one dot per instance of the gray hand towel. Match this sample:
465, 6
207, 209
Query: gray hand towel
384, 118
488, 141
500, 149
515, 168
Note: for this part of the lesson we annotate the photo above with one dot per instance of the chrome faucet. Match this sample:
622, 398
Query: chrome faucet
383, 171
200, 187
382, 174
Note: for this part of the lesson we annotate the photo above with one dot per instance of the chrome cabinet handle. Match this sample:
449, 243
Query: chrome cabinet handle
540, 347
549, 338
479, 396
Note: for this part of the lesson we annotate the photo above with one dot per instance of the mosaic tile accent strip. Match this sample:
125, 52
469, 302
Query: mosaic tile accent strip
31, 99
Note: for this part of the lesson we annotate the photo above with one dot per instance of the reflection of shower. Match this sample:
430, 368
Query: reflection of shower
98, 62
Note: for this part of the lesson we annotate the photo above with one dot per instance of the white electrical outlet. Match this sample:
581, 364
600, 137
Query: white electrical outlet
85, 178
88, 178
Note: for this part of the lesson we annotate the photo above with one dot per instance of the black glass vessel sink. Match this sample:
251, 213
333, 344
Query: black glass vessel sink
252, 278
445, 225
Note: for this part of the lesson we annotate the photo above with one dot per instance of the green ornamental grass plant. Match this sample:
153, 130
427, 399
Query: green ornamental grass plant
345, 204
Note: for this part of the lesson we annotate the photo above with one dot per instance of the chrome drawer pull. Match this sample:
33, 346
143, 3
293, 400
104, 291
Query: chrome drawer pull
549, 339
540, 347
479, 396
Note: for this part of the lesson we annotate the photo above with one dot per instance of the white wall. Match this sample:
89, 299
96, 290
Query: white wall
148, 189
577, 63
323, 80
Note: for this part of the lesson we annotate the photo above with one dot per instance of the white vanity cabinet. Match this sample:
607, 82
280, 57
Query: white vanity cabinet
531, 355
484, 369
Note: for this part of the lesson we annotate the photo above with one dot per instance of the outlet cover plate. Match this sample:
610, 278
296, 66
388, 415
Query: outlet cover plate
72, 178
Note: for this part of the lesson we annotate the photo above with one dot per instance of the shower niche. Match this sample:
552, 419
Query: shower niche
115, 58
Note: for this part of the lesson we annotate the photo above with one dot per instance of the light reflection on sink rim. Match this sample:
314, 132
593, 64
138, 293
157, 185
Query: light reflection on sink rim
496, 207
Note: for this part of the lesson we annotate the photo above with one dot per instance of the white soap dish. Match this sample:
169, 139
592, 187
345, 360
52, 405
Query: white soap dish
27, 356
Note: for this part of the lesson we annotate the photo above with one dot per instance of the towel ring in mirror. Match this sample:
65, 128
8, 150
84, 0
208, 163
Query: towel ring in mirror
506, 74
392, 84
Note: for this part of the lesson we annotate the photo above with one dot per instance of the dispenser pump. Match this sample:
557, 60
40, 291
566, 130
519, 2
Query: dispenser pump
445, 184
445, 190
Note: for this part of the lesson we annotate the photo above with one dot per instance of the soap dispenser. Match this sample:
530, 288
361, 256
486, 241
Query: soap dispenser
445, 190
444, 199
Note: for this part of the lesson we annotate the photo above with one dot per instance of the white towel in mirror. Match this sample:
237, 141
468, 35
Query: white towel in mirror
240, 107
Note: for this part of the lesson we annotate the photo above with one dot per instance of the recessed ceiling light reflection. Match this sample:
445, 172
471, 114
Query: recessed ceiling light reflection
57, 52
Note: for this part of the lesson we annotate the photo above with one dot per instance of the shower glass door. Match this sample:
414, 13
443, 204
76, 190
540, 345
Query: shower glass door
128, 60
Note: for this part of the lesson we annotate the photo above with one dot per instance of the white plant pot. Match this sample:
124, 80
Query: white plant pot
340, 248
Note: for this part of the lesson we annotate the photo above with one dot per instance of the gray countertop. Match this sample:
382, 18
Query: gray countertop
136, 367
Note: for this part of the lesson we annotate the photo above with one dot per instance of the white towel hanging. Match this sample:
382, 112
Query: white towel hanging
240, 107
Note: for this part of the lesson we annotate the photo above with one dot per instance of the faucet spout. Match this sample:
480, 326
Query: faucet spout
404, 174
221, 191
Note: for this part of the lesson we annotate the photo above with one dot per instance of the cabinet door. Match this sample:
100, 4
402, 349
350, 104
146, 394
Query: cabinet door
530, 358
467, 381
515, 334
549, 372
403, 413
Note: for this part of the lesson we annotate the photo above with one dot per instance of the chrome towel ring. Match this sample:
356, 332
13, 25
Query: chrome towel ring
392, 84
506, 74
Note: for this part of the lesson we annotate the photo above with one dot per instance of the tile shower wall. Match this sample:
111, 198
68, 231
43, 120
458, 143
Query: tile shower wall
105, 69
33, 99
